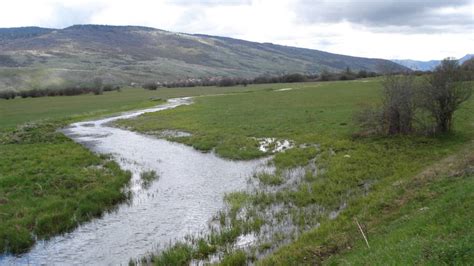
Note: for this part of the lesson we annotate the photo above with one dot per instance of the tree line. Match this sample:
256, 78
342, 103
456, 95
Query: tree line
426, 104
265, 79
58, 91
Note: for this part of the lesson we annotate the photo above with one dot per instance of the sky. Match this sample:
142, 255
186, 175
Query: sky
391, 29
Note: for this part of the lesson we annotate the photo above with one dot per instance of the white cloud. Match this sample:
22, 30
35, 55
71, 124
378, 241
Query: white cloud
338, 29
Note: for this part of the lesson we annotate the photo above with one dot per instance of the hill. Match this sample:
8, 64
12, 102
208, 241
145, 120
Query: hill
427, 65
34, 57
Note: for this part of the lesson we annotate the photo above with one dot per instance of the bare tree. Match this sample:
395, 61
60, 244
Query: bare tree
396, 114
398, 104
98, 86
443, 92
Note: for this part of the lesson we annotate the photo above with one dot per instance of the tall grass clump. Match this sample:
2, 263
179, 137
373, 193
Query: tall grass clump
148, 177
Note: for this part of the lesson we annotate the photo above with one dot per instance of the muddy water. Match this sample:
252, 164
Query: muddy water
188, 192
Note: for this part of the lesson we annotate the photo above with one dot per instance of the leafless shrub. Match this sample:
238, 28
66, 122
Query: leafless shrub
396, 115
443, 92
398, 103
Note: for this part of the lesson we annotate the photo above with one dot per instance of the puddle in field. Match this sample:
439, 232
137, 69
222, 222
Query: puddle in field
274, 145
188, 192
285, 89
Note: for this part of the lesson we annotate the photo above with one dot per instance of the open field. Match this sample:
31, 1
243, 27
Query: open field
375, 179
18, 111
230, 123
354, 177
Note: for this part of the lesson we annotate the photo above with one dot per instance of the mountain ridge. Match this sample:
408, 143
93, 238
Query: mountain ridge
427, 65
40, 57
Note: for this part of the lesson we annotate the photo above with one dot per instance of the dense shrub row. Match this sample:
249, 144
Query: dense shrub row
66, 91
467, 67
289, 78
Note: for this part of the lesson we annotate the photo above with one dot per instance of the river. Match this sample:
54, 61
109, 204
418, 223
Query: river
187, 194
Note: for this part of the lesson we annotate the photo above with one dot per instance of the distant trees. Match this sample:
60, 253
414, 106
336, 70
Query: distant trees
362, 74
265, 79
348, 75
64, 91
289, 78
150, 86
110, 87
431, 102
7, 95
294, 78
228, 82
326, 76
97, 86
8, 61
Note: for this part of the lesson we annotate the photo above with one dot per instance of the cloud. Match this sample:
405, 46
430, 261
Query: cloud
208, 3
65, 15
388, 13
418, 29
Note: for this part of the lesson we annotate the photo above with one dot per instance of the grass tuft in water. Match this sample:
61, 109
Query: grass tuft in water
270, 179
179, 254
148, 177
237, 258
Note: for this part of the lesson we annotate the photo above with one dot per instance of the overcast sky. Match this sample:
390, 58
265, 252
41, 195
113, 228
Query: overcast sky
398, 29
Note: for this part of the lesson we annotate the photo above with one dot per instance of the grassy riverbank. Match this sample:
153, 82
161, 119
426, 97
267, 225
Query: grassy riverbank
340, 178
420, 219
48, 183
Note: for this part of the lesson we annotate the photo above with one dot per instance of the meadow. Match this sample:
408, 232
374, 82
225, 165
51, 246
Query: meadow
354, 176
382, 182
23, 110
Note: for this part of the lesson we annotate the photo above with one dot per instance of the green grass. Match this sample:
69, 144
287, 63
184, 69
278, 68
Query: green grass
19, 110
423, 219
48, 183
238, 258
270, 179
178, 255
358, 172
310, 111
437, 229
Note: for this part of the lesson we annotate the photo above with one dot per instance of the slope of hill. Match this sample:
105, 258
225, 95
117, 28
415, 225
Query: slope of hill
35, 57
427, 65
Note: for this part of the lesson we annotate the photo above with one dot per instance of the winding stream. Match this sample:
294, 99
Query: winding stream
187, 194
